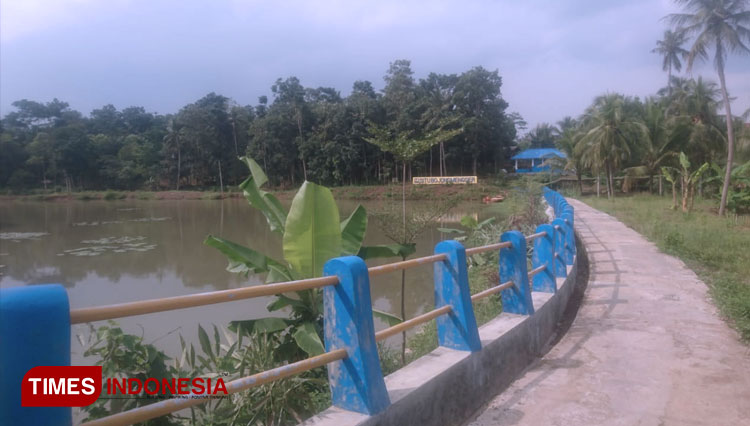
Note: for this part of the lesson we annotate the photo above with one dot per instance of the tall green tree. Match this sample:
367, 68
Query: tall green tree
290, 101
437, 91
487, 132
722, 26
569, 138
705, 140
544, 135
611, 135
655, 149
670, 48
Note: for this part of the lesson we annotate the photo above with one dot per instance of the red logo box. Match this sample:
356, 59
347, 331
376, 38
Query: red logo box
61, 386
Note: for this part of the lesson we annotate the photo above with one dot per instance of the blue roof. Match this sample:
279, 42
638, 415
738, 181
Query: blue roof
538, 153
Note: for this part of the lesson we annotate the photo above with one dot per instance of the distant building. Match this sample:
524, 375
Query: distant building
533, 160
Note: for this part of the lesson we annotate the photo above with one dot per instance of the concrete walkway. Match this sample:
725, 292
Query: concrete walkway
646, 348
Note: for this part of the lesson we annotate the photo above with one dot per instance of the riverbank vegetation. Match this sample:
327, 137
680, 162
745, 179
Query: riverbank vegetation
473, 192
715, 247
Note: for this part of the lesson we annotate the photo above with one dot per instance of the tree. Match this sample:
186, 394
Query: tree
722, 26
436, 95
544, 135
481, 112
569, 137
706, 139
671, 49
656, 148
611, 135
174, 148
290, 98
399, 94
42, 153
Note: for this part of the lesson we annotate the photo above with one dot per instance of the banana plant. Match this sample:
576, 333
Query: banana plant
475, 233
670, 174
311, 233
688, 180
739, 189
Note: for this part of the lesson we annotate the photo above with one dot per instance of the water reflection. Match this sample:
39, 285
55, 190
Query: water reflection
119, 251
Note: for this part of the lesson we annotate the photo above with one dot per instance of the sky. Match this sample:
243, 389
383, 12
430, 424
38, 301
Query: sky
554, 56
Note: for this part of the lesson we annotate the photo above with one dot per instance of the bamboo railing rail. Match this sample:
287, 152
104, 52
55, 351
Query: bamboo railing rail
490, 247
533, 237
537, 270
406, 264
121, 310
492, 290
411, 323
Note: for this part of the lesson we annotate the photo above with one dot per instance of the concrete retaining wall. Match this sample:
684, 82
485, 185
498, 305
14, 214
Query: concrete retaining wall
446, 386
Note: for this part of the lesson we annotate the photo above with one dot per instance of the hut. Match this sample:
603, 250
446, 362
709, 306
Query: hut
535, 160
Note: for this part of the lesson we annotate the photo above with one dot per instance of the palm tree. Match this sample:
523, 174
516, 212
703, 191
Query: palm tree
721, 26
612, 132
696, 122
172, 142
566, 143
671, 49
544, 135
656, 148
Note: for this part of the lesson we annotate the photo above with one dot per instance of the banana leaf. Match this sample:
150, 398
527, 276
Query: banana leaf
353, 231
312, 231
244, 259
266, 202
308, 340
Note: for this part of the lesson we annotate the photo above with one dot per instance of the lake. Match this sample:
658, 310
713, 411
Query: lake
107, 252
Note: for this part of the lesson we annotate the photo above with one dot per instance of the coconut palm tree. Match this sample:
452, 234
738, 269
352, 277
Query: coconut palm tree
696, 123
671, 49
173, 143
656, 148
722, 26
612, 133
567, 138
544, 135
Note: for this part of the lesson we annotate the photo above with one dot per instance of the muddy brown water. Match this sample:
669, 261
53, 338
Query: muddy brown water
108, 252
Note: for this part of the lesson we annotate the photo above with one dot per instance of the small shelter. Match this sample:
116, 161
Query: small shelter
533, 160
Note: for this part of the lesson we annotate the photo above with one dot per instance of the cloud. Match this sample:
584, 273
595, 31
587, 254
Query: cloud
554, 56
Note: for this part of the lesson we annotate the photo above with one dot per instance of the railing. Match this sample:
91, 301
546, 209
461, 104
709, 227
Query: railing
355, 377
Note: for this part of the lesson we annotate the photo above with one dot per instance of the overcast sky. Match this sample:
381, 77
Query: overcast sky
553, 56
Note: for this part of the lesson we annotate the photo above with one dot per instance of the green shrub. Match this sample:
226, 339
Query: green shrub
113, 195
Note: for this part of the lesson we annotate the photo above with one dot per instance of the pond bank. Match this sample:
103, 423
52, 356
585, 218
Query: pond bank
368, 192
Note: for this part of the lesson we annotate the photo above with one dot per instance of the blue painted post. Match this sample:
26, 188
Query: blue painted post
34, 331
516, 299
560, 270
570, 239
544, 254
356, 381
548, 195
458, 330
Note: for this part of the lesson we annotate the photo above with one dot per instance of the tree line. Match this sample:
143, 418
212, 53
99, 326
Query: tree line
677, 133
301, 133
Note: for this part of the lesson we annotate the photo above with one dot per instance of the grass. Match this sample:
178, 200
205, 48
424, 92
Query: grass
716, 248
